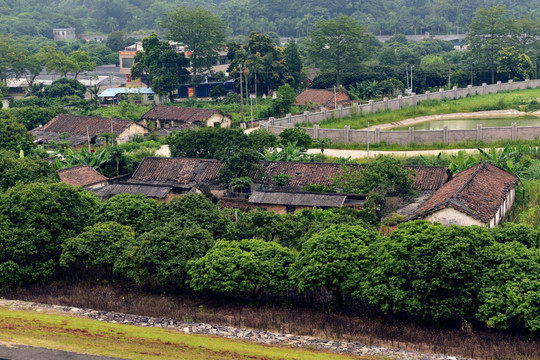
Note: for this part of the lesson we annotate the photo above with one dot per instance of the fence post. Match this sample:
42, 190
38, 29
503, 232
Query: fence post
413, 99
484, 88
324, 113
428, 95
454, 92
511, 85
385, 101
316, 131
306, 116
514, 131
400, 100
411, 135
445, 134
378, 135
371, 106
479, 133
346, 130
441, 93
340, 111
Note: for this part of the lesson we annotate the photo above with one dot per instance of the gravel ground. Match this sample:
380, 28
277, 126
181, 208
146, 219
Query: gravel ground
259, 336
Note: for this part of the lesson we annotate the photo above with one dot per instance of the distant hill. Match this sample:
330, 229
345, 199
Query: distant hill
284, 17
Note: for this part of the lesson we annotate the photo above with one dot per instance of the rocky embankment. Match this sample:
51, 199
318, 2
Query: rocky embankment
260, 336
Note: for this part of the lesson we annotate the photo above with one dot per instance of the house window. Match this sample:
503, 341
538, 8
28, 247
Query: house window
151, 97
127, 62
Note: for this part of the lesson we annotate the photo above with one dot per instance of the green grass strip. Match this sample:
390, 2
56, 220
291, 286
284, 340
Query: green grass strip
134, 342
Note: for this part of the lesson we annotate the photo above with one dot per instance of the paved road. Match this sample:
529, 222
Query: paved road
23, 352
354, 154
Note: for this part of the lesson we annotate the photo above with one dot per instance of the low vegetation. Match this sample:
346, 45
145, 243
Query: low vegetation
67, 333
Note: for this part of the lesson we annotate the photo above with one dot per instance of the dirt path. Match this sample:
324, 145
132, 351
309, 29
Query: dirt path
355, 154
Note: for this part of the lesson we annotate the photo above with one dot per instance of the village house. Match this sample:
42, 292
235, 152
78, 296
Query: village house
164, 178
83, 175
481, 195
81, 129
179, 118
317, 98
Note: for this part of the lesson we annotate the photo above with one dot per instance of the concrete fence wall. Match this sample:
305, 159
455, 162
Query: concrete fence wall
376, 136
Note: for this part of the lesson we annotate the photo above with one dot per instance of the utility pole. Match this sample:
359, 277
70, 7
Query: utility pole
88, 137
241, 96
335, 98
368, 138
450, 76
411, 80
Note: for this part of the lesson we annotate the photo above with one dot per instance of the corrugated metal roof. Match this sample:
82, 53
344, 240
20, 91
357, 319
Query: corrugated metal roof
111, 92
297, 199
158, 192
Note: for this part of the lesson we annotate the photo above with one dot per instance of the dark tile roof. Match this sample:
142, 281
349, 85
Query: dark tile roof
77, 125
177, 113
158, 192
204, 171
177, 171
297, 199
302, 173
429, 177
81, 175
478, 192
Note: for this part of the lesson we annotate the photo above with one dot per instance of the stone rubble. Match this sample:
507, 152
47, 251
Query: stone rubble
260, 336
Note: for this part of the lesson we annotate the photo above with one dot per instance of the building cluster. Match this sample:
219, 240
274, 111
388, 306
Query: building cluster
482, 195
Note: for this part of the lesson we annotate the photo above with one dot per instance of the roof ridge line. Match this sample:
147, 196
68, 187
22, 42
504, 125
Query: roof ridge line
481, 167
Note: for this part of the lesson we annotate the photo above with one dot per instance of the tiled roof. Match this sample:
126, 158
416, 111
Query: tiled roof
81, 175
177, 113
322, 97
429, 177
478, 192
302, 173
297, 199
77, 125
203, 171
177, 171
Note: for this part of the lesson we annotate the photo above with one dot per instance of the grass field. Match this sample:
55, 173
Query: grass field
133, 342
527, 99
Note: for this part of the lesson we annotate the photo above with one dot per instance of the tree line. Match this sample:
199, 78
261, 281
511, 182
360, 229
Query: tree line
484, 276
293, 18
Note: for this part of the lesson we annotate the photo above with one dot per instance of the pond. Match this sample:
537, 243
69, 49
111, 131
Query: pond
465, 124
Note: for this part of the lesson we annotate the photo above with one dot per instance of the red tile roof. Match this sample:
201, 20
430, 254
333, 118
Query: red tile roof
81, 175
429, 177
323, 98
478, 192
176, 113
77, 125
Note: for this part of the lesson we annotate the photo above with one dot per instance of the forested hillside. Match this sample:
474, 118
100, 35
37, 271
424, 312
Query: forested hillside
287, 18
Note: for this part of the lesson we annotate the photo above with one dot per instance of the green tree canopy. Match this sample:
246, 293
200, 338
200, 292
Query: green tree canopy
35, 219
510, 291
135, 211
207, 143
332, 258
201, 31
14, 136
248, 267
194, 208
98, 245
337, 45
162, 254
166, 69
433, 271
15, 170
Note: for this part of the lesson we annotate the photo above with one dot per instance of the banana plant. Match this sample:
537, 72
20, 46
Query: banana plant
91, 158
461, 162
